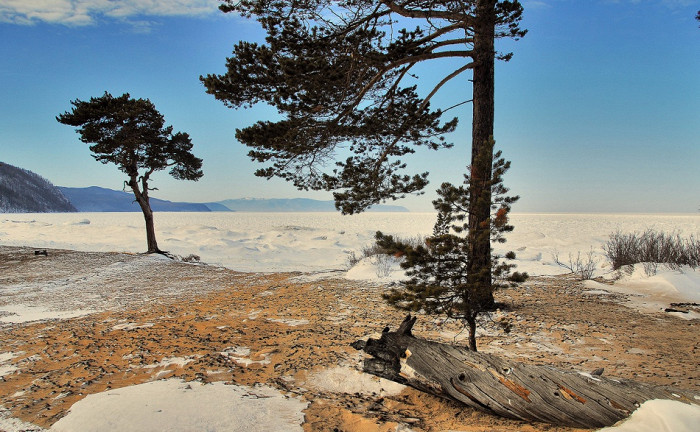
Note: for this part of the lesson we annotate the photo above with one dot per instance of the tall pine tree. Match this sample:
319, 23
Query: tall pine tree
339, 72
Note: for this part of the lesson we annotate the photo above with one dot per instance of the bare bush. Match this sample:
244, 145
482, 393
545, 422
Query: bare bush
652, 248
382, 263
583, 266
352, 259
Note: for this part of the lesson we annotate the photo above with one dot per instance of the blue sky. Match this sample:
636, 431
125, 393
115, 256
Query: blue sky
599, 110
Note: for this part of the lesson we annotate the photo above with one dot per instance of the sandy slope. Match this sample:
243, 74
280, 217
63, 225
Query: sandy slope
153, 319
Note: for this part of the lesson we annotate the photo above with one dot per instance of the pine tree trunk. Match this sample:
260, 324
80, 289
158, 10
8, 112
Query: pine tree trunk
144, 202
471, 321
479, 258
508, 388
150, 229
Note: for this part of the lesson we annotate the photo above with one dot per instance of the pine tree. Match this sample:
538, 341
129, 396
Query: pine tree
441, 281
343, 76
340, 73
131, 134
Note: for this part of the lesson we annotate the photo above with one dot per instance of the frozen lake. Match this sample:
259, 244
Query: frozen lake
306, 242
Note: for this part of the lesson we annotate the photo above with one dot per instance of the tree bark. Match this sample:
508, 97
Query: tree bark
507, 388
150, 229
479, 258
144, 202
471, 321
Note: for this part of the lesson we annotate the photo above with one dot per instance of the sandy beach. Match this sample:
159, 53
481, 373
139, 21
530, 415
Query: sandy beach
292, 332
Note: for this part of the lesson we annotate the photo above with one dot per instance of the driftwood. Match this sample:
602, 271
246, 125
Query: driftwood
507, 388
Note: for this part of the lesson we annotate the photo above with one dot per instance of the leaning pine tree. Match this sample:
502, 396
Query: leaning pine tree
131, 134
344, 77
441, 281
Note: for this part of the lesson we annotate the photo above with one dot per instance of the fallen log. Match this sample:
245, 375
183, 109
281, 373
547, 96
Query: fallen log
508, 388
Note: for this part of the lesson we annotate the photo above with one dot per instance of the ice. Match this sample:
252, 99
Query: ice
176, 406
270, 242
323, 242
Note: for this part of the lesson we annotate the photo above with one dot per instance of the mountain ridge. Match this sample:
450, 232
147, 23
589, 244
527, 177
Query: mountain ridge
23, 191
293, 205
98, 199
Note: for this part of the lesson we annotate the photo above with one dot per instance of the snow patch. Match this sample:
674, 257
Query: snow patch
290, 322
177, 406
7, 369
656, 293
131, 326
682, 285
22, 313
384, 268
170, 361
660, 416
241, 355
10, 424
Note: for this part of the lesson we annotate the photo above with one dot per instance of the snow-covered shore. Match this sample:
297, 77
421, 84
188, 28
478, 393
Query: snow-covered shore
324, 242
317, 243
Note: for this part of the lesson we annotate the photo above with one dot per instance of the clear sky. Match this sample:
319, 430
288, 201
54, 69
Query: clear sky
599, 110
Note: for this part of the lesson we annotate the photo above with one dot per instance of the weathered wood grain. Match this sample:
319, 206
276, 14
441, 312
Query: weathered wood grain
507, 388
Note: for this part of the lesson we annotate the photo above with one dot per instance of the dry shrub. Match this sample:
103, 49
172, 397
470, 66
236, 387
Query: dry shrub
652, 248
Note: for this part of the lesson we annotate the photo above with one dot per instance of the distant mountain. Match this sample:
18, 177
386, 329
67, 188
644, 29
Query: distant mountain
217, 207
22, 191
293, 205
97, 199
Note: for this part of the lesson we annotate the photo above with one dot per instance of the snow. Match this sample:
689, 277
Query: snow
321, 243
10, 424
174, 405
21, 313
71, 293
674, 285
131, 326
169, 361
655, 293
660, 416
289, 322
6, 369
313, 243
381, 268
241, 356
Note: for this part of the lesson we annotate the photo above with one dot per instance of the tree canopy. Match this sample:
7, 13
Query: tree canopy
131, 134
342, 74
